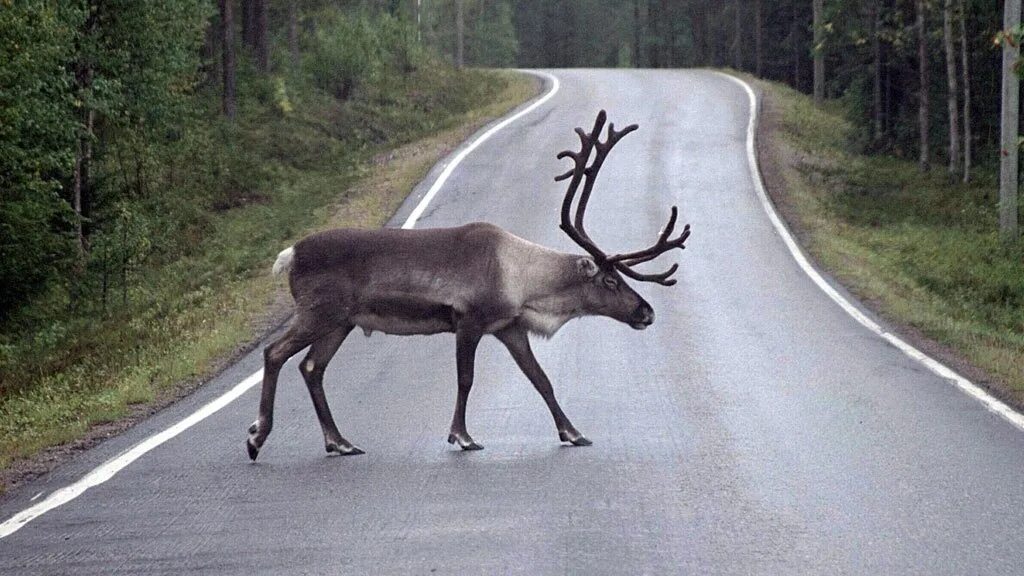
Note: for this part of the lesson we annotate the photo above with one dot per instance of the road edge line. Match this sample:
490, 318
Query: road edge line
108, 469
990, 402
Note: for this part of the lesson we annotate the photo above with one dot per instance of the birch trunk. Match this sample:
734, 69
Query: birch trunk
1010, 152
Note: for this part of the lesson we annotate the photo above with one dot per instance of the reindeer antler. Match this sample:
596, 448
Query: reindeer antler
575, 229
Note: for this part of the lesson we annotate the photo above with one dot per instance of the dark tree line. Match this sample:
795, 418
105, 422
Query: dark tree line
886, 61
102, 100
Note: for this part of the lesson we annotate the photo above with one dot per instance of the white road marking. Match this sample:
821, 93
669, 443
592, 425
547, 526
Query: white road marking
941, 370
107, 470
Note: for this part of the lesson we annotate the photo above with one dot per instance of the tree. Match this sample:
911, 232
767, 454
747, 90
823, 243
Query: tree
737, 36
260, 35
249, 23
965, 70
293, 32
758, 39
923, 86
819, 52
37, 142
953, 89
876, 72
1009, 146
637, 34
227, 42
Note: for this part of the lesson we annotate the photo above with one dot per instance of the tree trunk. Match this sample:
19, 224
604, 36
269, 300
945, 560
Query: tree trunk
737, 37
210, 52
293, 32
698, 56
227, 41
876, 69
80, 200
709, 36
81, 164
922, 95
459, 35
636, 34
965, 70
261, 36
758, 39
656, 36
1009, 152
794, 31
666, 35
248, 23
819, 52
954, 90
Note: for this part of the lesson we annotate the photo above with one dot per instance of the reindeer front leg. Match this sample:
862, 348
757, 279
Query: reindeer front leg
517, 341
466, 341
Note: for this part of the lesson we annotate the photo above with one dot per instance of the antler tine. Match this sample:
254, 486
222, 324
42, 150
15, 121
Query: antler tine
603, 148
662, 278
577, 173
624, 262
591, 142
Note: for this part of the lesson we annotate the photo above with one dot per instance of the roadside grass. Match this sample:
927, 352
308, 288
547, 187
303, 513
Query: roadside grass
213, 297
920, 249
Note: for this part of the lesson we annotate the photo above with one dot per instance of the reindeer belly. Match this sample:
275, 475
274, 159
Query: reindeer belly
404, 316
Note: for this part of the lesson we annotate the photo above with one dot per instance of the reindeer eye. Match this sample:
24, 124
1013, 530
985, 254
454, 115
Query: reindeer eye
611, 283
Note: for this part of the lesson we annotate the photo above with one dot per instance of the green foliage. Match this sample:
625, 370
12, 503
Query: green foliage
347, 53
36, 145
183, 208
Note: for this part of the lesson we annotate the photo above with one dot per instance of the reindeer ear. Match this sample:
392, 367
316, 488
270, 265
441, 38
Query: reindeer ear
587, 267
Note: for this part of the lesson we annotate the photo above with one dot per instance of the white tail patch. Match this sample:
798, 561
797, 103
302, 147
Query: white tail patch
284, 261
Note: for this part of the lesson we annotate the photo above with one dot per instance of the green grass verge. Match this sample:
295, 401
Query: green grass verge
183, 317
920, 249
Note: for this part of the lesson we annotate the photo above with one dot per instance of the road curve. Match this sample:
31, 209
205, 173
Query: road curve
755, 428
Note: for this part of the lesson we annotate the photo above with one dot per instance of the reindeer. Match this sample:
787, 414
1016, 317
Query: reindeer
472, 280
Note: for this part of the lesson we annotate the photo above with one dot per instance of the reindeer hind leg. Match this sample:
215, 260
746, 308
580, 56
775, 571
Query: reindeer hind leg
274, 356
312, 369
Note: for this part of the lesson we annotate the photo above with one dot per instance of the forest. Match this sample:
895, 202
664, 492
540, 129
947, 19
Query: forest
140, 139
104, 101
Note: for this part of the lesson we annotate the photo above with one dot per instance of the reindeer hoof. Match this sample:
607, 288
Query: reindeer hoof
465, 442
343, 449
575, 438
252, 449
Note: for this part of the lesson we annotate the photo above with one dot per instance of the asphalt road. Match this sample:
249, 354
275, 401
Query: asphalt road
755, 428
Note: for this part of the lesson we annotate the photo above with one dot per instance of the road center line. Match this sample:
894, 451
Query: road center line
990, 402
108, 469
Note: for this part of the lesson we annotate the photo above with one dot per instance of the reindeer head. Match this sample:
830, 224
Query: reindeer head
605, 292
